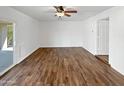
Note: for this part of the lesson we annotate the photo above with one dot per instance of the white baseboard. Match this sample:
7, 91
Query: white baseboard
57, 46
22, 58
7, 69
16, 62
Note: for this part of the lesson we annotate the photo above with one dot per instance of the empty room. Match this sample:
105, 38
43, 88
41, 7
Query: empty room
61, 45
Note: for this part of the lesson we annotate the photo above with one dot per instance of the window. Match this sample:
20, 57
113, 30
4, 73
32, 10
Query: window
10, 35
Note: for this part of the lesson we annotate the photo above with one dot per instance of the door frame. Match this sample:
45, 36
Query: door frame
14, 45
97, 41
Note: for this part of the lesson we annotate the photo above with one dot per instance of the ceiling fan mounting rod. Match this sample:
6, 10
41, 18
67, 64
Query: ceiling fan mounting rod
59, 18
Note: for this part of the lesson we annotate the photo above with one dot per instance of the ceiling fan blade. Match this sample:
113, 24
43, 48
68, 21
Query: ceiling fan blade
71, 11
61, 8
67, 15
57, 8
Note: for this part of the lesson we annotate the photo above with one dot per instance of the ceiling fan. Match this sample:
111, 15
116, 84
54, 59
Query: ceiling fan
61, 11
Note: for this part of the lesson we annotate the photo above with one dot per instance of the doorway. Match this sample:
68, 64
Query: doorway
6, 46
103, 39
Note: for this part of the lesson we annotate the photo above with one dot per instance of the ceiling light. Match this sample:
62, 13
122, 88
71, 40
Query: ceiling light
60, 14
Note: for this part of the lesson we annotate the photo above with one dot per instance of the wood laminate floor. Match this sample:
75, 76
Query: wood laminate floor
62, 66
104, 58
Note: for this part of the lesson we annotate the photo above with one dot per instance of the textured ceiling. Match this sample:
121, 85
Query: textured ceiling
46, 13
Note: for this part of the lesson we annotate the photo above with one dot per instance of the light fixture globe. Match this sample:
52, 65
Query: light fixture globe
60, 14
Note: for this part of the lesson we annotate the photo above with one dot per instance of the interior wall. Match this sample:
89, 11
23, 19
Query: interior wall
61, 34
26, 32
116, 35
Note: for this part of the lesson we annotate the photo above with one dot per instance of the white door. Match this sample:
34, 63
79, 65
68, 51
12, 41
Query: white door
103, 37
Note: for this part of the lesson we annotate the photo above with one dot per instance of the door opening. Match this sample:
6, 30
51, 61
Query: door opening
6, 46
103, 39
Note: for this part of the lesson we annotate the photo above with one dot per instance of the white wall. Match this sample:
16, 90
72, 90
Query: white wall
26, 32
116, 35
61, 34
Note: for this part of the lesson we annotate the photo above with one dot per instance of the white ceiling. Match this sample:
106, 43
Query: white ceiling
46, 13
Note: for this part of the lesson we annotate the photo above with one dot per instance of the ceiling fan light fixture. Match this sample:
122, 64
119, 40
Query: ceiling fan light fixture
60, 14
